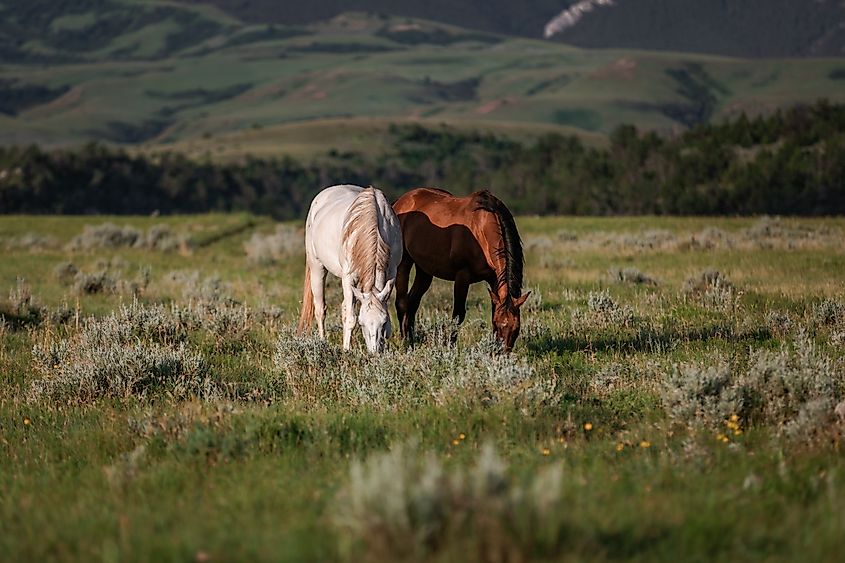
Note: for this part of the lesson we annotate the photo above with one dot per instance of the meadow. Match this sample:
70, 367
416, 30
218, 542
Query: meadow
677, 393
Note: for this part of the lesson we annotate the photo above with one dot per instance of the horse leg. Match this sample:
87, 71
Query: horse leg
403, 274
318, 287
459, 308
422, 281
348, 312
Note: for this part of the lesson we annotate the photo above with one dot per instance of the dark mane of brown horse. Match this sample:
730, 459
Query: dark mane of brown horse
511, 251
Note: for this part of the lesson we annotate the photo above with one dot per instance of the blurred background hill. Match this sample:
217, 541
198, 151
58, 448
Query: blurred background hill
276, 76
387, 91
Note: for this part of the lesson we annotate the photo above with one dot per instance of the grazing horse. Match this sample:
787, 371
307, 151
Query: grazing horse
353, 233
465, 240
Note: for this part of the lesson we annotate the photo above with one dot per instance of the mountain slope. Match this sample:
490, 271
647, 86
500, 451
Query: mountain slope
751, 28
192, 77
746, 28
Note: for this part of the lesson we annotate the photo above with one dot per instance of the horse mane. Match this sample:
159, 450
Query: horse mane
362, 241
511, 250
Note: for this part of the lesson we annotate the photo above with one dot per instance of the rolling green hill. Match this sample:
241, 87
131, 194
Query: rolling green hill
188, 76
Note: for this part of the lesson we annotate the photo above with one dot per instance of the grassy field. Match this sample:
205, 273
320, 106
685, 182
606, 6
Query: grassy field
198, 82
676, 394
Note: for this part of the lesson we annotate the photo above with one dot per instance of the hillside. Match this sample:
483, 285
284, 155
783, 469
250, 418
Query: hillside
191, 77
751, 28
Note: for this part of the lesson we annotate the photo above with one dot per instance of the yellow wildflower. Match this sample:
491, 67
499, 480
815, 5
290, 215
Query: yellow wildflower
546, 451
462, 436
620, 446
645, 444
455, 442
588, 426
26, 421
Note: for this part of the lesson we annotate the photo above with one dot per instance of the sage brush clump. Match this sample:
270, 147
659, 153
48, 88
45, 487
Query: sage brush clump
712, 290
630, 275
109, 235
266, 249
400, 504
316, 372
705, 395
602, 310
829, 312
134, 352
795, 389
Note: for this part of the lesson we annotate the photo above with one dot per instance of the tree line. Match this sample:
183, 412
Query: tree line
791, 162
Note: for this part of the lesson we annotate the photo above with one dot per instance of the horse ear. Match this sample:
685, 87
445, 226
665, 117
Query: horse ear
385, 292
494, 297
519, 301
357, 293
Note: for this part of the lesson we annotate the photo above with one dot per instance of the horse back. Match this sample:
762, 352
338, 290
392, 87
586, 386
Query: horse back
443, 233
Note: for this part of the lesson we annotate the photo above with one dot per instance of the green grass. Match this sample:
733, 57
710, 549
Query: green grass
299, 85
257, 478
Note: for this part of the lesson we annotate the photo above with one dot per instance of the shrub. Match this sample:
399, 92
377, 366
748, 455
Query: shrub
265, 249
318, 372
701, 394
135, 352
794, 389
209, 290
706, 280
630, 275
31, 242
603, 308
108, 235
829, 312
65, 272
96, 282
400, 504
161, 238
778, 322
712, 290
710, 238
23, 308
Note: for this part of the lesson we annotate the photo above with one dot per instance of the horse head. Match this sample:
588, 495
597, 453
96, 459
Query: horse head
374, 317
506, 318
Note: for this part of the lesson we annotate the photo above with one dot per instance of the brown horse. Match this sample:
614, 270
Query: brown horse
462, 239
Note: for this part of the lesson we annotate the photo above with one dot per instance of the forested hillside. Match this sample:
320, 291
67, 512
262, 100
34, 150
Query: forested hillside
790, 163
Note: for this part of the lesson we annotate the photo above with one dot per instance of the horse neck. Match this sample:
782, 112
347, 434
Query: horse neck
495, 253
367, 251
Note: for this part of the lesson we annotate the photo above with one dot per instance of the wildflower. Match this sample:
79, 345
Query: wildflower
546, 451
645, 444
588, 426
455, 442
722, 438
26, 421
734, 418
620, 446
462, 436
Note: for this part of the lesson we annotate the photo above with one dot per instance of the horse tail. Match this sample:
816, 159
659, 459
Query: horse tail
306, 316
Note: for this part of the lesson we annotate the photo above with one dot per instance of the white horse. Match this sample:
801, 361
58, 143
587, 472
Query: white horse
353, 233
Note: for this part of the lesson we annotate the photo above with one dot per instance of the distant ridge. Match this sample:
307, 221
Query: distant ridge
746, 28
